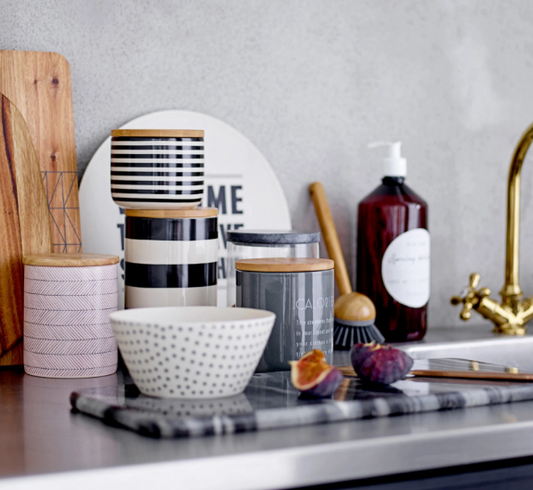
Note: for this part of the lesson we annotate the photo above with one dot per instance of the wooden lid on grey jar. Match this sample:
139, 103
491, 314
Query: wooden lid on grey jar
284, 265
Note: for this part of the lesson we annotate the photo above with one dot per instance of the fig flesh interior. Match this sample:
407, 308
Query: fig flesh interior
310, 370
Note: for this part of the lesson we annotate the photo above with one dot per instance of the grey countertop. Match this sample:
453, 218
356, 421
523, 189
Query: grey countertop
44, 443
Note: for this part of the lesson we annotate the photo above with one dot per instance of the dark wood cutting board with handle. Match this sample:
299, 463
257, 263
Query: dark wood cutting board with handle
24, 221
39, 85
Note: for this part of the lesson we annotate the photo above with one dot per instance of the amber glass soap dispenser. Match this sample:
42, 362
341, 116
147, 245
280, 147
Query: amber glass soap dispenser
393, 249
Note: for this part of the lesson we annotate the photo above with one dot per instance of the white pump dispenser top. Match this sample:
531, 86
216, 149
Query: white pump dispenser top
393, 165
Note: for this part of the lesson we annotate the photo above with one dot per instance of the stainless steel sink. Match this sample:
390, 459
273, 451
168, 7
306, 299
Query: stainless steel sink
476, 343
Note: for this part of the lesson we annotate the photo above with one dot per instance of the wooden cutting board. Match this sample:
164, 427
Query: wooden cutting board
24, 224
39, 85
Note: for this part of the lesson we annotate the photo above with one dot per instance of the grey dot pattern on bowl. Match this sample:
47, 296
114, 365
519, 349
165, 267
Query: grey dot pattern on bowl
192, 362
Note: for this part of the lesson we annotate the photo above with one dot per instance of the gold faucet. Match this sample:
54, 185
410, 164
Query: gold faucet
511, 315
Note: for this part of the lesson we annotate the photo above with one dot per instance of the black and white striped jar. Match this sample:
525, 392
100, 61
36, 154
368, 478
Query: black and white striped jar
171, 257
157, 169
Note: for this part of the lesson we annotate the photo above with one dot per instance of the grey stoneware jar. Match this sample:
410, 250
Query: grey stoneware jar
300, 292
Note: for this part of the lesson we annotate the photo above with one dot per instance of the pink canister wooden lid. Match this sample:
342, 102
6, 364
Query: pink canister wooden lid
70, 260
67, 302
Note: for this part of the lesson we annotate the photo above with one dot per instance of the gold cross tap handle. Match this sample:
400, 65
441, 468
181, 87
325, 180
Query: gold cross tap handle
470, 297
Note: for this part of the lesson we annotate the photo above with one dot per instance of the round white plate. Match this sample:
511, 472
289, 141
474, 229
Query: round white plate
238, 179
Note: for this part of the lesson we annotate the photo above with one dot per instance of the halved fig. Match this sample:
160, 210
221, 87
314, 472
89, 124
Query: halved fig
313, 376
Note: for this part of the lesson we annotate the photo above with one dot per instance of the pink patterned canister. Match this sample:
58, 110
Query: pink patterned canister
67, 302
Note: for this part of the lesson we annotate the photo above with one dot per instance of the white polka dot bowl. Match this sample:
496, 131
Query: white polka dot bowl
192, 352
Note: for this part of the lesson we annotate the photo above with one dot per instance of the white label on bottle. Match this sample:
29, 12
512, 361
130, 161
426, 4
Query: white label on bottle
405, 268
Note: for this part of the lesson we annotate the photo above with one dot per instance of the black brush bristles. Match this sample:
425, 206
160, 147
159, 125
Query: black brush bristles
346, 334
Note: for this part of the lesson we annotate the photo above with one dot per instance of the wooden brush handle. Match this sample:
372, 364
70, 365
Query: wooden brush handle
327, 226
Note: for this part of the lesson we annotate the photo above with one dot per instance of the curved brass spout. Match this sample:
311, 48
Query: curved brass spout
511, 292
512, 314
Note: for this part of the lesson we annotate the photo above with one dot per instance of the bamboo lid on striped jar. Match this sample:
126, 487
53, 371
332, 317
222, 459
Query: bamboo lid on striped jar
157, 133
172, 213
284, 265
70, 260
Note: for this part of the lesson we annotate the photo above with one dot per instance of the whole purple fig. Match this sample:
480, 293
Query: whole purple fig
361, 351
375, 363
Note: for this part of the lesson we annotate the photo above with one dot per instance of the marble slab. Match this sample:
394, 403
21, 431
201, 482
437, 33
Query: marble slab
271, 402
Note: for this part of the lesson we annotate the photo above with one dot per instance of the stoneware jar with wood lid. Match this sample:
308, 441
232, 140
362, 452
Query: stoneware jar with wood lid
300, 292
157, 168
171, 257
67, 302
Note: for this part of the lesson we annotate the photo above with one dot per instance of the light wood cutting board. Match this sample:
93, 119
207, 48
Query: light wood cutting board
39, 85
24, 224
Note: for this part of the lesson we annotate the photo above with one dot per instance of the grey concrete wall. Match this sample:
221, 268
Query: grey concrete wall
311, 82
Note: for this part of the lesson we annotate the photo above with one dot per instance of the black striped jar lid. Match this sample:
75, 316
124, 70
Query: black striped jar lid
157, 133
284, 265
172, 213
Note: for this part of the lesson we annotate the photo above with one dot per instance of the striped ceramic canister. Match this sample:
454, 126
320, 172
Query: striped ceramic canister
67, 302
171, 257
157, 169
